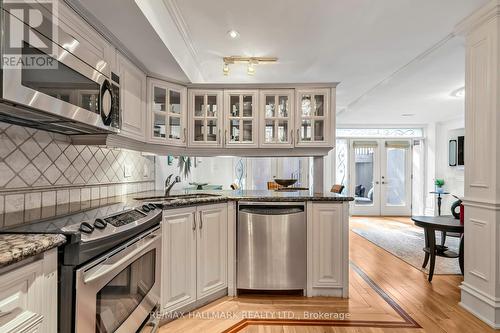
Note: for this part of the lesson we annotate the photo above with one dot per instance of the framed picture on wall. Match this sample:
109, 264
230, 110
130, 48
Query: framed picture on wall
460, 150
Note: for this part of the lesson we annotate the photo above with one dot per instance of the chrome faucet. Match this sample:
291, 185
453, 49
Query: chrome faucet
168, 185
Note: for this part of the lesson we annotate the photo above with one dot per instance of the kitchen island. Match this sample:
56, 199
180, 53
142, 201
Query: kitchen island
200, 243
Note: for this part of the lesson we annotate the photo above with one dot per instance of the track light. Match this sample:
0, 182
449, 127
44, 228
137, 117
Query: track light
250, 69
225, 69
250, 61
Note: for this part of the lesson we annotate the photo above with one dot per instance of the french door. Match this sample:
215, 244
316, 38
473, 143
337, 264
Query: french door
381, 177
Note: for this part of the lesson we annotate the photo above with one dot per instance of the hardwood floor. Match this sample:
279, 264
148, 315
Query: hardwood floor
434, 306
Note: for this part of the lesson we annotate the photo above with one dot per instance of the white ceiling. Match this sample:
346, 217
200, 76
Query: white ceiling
359, 43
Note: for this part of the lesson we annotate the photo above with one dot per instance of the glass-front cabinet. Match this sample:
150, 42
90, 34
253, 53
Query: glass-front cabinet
313, 118
241, 114
276, 118
168, 116
205, 118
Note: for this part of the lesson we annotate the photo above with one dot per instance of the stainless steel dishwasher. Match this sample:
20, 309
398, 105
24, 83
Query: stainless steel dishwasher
271, 246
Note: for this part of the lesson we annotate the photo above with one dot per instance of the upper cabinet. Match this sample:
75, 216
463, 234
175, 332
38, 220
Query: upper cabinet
167, 113
241, 118
205, 118
313, 118
276, 126
132, 99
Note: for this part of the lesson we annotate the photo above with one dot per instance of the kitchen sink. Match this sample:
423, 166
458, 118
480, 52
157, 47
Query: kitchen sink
180, 196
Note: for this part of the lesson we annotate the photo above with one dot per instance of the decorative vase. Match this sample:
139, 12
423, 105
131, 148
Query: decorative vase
439, 190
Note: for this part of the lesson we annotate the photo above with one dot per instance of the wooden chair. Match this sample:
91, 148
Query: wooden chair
273, 186
337, 188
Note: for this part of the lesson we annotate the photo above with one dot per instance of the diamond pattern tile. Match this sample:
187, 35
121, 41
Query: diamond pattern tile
35, 160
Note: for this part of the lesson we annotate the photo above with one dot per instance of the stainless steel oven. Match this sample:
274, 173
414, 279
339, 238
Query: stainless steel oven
72, 95
118, 290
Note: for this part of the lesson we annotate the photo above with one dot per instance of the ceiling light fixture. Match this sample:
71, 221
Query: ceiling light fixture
407, 115
250, 61
233, 34
458, 93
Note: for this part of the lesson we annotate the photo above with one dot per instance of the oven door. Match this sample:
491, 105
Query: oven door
118, 291
65, 87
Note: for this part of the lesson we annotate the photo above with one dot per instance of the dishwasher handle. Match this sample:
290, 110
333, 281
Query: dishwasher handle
272, 210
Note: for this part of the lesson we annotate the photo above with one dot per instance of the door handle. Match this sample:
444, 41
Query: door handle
201, 220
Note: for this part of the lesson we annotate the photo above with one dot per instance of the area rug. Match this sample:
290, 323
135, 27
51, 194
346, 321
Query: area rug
405, 241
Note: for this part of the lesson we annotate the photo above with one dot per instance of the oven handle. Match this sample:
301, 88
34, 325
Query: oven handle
105, 270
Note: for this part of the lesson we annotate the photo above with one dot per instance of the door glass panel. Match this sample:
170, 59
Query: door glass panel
270, 106
235, 106
174, 126
159, 126
212, 130
199, 130
282, 131
364, 172
305, 130
160, 95
283, 106
63, 83
395, 181
318, 130
306, 107
247, 106
198, 106
247, 130
116, 301
269, 131
234, 130
175, 101
212, 106
319, 105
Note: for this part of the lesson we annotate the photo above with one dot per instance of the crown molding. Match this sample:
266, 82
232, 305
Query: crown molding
484, 14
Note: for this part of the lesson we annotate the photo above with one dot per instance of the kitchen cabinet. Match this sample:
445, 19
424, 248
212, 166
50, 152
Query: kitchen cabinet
276, 118
205, 118
179, 258
167, 113
132, 99
313, 118
194, 263
211, 249
241, 118
28, 296
328, 249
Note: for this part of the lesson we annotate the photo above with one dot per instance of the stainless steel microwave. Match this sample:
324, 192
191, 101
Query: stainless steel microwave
69, 96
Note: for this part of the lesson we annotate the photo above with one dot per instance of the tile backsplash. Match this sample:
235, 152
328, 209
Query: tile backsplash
43, 175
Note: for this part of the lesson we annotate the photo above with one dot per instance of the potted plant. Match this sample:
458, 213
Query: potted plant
439, 185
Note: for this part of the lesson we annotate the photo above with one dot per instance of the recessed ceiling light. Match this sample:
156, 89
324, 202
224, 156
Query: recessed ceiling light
407, 115
233, 34
458, 93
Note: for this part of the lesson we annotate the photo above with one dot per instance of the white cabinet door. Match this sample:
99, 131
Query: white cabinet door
167, 113
205, 113
241, 118
276, 126
212, 249
132, 99
313, 118
178, 258
326, 241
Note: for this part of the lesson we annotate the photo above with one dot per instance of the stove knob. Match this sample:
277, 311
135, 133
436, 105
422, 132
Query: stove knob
86, 227
152, 206
100, 224
145, 208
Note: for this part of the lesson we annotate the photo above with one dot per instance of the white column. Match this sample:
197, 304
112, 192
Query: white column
481, 285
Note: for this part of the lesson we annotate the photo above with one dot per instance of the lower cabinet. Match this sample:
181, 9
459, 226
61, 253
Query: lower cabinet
327, 249
28, 296
194, 262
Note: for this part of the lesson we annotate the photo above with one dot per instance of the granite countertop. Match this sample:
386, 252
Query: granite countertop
239, 195
16, 247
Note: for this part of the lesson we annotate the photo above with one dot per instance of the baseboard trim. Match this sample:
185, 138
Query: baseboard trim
480, 305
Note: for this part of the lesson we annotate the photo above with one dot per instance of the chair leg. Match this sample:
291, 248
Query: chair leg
443, 237
426, 260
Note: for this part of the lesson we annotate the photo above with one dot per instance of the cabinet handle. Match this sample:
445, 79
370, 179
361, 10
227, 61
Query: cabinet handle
185, 135
194, 222
201, 220
291, 136
298, 135
218, 138
225, 137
